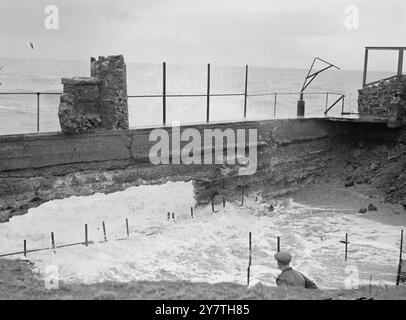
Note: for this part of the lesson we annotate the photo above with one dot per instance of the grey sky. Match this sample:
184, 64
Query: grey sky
278, 33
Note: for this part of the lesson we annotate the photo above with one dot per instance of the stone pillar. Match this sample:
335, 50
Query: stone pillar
113, 91
79, 107
98, 102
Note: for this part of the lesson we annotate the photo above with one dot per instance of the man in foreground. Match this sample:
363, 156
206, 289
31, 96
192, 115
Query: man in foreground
290, 277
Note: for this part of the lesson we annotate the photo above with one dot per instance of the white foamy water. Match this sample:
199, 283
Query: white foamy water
210, 248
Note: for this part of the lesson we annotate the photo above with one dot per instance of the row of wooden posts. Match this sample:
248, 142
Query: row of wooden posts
87, 242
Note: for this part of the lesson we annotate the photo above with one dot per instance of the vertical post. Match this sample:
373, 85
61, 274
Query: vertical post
191, 212
164, 94
400, 259
169, 216
278, 245
243, 196
173, 216
208, 94
327, 96
370, 284
86, 237
92, 66
25, 248
274, 106
53, 241
38, 110
343, 106
400, 64
364, 81
249, 259
127, 227
224, 202
346, 246
212, 206
104, 232
246, 92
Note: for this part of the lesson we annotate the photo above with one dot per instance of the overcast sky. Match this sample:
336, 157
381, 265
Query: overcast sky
276, 33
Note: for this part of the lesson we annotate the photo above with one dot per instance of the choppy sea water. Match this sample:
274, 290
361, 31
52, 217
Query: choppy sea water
18, 112
211, 247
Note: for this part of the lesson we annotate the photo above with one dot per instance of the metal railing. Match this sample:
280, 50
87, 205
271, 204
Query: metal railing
208, 95
341, 98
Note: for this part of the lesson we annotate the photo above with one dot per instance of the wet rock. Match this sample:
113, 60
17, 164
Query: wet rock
348, 184
374, 167
372, 207
363, 210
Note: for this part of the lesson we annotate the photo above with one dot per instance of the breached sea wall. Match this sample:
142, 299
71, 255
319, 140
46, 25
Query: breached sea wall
38, 168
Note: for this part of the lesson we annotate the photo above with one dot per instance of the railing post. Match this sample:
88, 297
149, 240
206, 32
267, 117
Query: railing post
274, 107
327, 96
38, 107
364, 81
400, 260
400, 64
246, 92
164, 94
208, 94
343, 106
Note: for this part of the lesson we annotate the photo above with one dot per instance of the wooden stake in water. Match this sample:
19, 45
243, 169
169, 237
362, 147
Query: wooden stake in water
173, 216
104, 232
400, 259
224, 202
53, 241
243, 196
278, 244
169, 216
25, 248
86, 237
127, 227
346, 246
191, 212
250, 259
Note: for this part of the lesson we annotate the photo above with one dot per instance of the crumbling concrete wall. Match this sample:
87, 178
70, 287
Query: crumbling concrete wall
39, 168
386, 99
79, 109
98, 102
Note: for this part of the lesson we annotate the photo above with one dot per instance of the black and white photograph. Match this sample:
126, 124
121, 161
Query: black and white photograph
202, 155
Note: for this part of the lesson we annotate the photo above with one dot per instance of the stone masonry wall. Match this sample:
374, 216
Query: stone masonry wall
112, 72
98, 102
385, 99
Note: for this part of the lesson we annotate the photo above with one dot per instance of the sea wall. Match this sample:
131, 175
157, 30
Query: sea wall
38, 168
385, 99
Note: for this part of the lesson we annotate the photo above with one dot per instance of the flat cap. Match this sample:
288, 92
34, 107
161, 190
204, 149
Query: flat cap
283, 257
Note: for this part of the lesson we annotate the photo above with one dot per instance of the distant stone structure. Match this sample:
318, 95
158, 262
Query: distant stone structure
98, 102
386, 99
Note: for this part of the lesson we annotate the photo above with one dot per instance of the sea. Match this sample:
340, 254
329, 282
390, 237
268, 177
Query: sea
208, 247
18, 112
